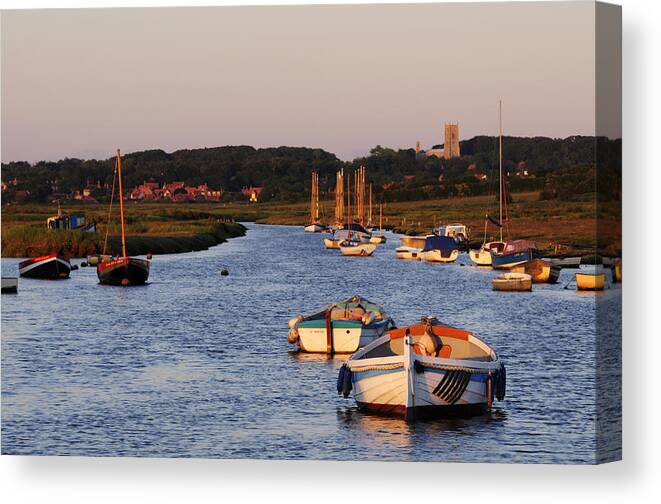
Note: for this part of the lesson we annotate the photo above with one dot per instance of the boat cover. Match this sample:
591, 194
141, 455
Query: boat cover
443, 243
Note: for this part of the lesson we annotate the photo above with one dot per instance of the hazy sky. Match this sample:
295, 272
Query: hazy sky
80, 83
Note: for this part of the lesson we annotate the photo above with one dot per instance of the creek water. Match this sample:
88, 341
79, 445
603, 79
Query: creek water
196, 364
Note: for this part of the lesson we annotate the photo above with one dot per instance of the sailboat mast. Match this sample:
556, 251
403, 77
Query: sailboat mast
349, 207
500, 165
370, 218
380, 219
121, 204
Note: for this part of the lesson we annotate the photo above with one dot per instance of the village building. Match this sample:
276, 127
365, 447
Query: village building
252, 193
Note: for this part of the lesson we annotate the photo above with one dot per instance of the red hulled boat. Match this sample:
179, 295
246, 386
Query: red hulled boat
48, 267
122, 270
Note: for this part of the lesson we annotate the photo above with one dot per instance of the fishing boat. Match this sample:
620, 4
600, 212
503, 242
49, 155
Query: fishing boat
482, 256
521, 282
514, 253
48, 267
9, 285
315, 226
410, 253
124, 270
541, 271
423, 370
458, 232
378, 239
342, 327
441, 249
590, 277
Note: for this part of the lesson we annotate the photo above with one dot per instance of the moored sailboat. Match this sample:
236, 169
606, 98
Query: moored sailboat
340, 327
378, 239
124, 270
426, 369
315, 226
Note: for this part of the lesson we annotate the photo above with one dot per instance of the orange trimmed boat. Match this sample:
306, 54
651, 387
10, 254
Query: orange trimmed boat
122, 270
591, 278
48, 267
426, 369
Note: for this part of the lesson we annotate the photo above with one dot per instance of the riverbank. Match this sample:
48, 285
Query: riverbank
31, 240
560, 228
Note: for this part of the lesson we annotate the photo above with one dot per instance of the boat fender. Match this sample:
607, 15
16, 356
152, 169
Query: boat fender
346, 383
292, 337
74, 267
340, 379
419, 368
294, 322
500, 379
224, 272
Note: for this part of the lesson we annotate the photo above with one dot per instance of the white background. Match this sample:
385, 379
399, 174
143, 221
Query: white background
635, 479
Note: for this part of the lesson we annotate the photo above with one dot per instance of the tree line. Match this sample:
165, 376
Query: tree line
559, 168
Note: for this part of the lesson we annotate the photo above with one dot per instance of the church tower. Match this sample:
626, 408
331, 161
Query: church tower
451, 145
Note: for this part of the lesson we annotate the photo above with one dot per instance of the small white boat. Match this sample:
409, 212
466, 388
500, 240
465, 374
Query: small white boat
426, 369
313, 228
540, 270
9, 285
356, 248
411, 253
521, 282
458, 232
377, 239
482, 257
442, 249
340, 327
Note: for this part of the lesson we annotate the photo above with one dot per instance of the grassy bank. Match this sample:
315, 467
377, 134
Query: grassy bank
564, 227
156, 230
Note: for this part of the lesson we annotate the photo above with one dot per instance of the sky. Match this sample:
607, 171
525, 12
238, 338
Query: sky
83, 82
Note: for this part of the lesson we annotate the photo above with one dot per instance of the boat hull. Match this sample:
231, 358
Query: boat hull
436, 256
46, 267
431, 392
617, 272
408, 253
507, 261
512, 282
480, 257
378, 239
585, 281
313, 228
358, 250
124, 271
9, 285
540, 270
346, 336
413, 241
329, 243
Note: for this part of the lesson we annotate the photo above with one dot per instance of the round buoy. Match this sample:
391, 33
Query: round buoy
224, 272
125, 281
83, 264
149, 256
74, 267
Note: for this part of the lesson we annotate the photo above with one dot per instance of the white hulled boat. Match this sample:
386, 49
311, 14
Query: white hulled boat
427, 369
342, 327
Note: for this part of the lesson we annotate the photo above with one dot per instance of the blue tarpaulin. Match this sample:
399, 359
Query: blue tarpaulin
443, 243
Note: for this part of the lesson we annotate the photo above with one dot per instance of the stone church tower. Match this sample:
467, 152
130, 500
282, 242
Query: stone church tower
451, 145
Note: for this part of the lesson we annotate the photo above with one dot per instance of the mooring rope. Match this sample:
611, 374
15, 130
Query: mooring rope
377, 367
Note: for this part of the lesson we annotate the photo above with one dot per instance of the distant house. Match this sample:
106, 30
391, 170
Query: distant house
252, 193
175, 191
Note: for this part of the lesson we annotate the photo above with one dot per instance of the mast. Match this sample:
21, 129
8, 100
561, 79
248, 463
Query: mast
121, 204
349, 207
316, 197
380, 219
370, 217
500, 165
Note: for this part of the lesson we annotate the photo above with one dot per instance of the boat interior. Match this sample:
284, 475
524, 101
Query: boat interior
442, 341
355, 308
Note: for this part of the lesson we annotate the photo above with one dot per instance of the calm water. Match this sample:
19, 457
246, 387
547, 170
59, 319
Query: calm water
198, 365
